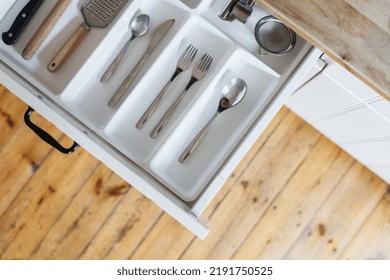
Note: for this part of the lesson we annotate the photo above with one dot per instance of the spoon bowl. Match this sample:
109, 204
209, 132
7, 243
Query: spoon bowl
232, 94
140, 25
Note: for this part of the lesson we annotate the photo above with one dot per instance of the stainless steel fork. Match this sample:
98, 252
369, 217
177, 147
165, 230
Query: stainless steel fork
183, 64
198, 73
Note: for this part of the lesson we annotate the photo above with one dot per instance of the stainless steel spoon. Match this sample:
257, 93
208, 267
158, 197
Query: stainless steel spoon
139, 26
232, 94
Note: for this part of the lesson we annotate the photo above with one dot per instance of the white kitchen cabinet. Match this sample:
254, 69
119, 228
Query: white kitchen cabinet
351, 125
76, 102
349, 113
372, 153
381, 106
382, 171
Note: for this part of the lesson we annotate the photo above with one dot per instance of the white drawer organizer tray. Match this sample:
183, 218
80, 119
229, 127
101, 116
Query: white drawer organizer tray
76, 102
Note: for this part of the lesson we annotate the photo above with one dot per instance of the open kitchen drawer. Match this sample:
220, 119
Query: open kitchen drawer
76, 101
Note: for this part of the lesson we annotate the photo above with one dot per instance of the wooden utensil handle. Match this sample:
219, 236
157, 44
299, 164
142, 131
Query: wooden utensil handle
45, 28
73, 42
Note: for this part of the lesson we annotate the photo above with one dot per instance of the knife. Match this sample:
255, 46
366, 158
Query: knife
157, 36
23, 18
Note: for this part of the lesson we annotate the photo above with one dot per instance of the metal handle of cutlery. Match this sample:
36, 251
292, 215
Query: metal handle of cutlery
157, 36
183, 64
110, 70
148, 113
198, 138
127, 82
197, 74
168, 114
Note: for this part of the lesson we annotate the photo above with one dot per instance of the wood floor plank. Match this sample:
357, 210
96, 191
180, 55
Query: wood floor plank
83, 218
11, 114
372, 241
125, 229
159, 223
42, 202
257, 188
295, 206
50, 207
21, 158
340, 217
152, 243
164, 242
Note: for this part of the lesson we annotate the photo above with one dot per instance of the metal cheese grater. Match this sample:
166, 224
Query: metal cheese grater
96, 13
99, 13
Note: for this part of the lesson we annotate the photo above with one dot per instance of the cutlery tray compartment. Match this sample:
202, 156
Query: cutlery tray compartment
76, 88
137, 144
225, 132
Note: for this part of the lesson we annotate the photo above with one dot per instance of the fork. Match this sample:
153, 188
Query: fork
183, 64
197, 74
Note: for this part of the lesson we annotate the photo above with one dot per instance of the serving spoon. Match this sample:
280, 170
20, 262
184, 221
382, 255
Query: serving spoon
232, 94
139, 26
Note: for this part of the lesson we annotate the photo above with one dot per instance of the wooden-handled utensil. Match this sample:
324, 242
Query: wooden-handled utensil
45, 29
96, 13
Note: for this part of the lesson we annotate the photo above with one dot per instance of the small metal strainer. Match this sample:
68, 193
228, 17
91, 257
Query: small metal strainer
274, 37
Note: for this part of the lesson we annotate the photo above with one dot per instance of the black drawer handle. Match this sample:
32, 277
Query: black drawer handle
46, 136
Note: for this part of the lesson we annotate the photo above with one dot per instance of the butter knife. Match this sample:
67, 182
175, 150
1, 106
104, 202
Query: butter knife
22, 19
157, 36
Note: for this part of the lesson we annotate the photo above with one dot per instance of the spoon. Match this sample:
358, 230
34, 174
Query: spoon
232, 94
139, 26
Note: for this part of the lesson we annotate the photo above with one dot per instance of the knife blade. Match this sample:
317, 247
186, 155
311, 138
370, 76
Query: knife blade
157, 36
22, 19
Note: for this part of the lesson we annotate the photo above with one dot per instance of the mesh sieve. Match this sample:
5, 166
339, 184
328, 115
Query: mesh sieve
274, 37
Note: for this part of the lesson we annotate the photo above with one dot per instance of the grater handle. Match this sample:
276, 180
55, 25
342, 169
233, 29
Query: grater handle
73, 42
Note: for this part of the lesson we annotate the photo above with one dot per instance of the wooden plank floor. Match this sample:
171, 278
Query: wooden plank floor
295, 196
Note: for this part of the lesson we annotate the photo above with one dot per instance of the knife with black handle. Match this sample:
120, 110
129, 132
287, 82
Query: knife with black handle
23, 18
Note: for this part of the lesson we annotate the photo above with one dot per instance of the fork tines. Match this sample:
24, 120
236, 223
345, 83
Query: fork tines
203, 66
187, 58
190, 53
205, 62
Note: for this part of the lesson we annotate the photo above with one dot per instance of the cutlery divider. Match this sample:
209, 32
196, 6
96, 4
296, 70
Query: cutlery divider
224, 134
243, 34
91, 101
137, 144
76, 86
